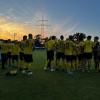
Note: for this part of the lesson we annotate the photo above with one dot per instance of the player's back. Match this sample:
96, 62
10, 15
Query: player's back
80, 47
50, 45
69, 47
88, 46
15, 49
75, 50
28, 47
4, 47
60, 46
22, 46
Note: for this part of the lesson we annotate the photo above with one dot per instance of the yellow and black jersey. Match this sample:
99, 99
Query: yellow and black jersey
60, 46
50, 45
75, 49
22, 46
88, 46
80, 47
15, 49
5, 47
27, 46
69, 45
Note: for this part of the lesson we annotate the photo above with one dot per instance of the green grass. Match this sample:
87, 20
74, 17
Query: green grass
49, 85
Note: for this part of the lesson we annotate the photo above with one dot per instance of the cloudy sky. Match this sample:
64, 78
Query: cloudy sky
64, 17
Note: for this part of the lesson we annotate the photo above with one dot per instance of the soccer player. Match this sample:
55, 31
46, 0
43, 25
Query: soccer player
9, 53
74, 56
88, 50
28, 51
14, 59
80, 51
15, 54
60, 57
68, 53
98, 55
4, 51
27, 47
21, 54
95, 52
50, 48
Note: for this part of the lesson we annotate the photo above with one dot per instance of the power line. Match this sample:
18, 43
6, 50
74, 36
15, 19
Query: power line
43, 25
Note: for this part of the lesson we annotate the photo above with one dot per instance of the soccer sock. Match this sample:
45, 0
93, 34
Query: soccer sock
73, 65
86, 65
22, 64
69, 66
47, 62
78, 64
58, 64
99, 66
62, 63
89, 64
29, 66
66, 65
52, 64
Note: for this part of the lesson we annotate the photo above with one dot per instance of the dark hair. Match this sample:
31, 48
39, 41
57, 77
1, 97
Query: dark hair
53, 37
30, 36
89, 37
61, 37
24, 37
70, 37
96, 37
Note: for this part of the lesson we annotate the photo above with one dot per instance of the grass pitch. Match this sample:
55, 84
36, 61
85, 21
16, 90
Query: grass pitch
49, 85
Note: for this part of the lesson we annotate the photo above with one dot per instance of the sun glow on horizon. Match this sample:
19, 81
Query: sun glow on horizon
8, 28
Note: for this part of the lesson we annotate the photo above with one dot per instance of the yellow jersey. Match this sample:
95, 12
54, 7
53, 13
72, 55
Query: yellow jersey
28, 46
69, 47
5, 47
80, 47
50, 45
74, 49
60, 46
88, 46
15, 49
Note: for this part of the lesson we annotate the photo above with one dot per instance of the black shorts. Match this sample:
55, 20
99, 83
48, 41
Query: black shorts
98, 58
28, 58
74, 57
4, 57
68, 58
9, 56
15, 57
88, 55
80, 57
50, 55
21, 56
60, 55
95, 56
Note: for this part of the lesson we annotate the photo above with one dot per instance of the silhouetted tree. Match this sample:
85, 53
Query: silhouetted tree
79, 36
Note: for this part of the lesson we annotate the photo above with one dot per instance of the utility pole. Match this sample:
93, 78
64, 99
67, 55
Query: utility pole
43, 25
14, 35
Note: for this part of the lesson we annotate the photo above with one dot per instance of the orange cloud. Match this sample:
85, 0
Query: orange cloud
9, 27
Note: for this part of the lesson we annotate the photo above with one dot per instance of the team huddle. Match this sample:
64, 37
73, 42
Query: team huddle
68, 55
17, 55
71, 55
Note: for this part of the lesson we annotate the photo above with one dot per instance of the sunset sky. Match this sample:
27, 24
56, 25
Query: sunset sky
64, 17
